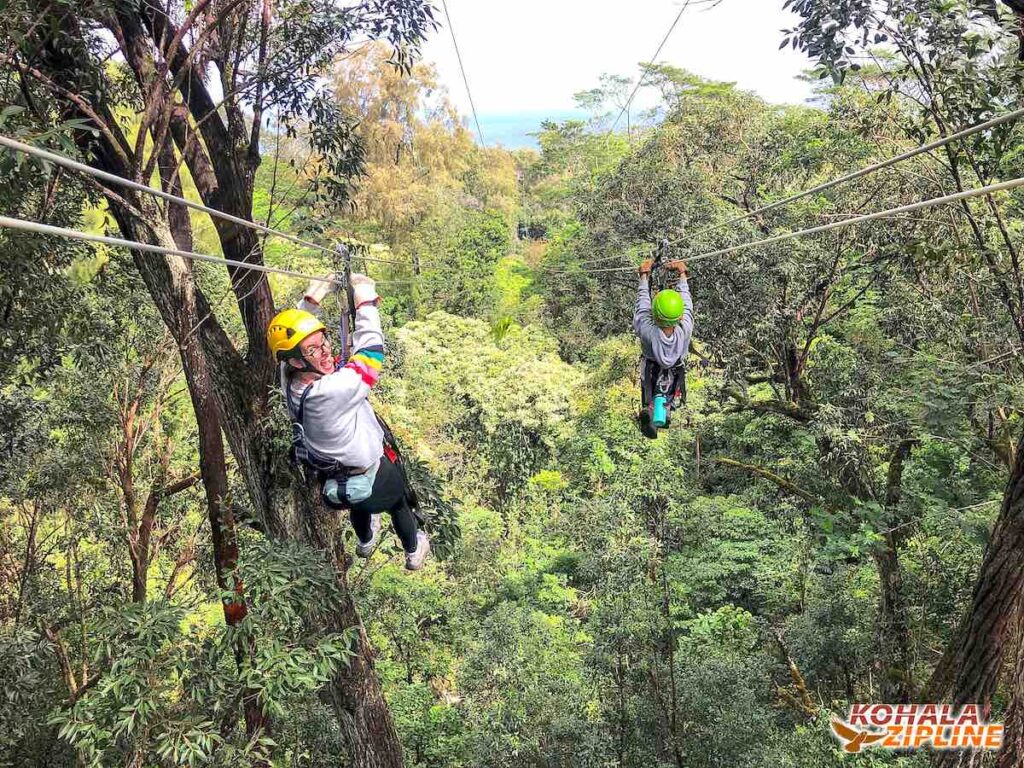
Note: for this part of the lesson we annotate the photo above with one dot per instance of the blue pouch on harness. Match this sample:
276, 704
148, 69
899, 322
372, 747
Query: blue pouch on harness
341, 491
334, 492
359, 487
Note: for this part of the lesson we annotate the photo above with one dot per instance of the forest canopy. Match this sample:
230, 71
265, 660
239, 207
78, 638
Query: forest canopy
835, 516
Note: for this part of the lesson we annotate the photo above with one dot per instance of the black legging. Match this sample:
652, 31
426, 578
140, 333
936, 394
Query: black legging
388, 496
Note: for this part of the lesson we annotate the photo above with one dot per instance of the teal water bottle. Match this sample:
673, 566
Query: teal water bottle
660, 411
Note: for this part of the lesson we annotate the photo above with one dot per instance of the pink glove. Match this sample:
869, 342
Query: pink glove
364, 290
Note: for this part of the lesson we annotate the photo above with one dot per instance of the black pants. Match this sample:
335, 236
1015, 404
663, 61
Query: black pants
388, 496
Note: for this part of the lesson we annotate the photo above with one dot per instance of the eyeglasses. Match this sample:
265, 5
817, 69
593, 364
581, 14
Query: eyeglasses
323, 349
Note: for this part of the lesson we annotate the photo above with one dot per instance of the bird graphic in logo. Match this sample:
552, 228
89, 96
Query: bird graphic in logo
853, 740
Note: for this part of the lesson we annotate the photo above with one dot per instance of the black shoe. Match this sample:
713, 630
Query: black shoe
646, 428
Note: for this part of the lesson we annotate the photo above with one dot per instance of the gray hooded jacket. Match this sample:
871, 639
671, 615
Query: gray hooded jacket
665, 350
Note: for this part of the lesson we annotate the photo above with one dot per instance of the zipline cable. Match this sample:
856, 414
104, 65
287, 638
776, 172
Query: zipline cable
889, 213
938, 143
569, 267
36, 227
462, 69
111, 178
941, 142
653, 60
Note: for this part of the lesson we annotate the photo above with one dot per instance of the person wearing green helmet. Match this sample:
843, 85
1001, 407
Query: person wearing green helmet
664, 326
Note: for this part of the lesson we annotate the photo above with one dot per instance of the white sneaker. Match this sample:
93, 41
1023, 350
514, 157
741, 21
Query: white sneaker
365, 550
414, 560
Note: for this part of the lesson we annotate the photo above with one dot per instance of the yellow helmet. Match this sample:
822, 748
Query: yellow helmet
287, 330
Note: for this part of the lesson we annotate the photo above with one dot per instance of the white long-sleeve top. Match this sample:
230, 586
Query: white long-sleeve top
337, 417
665, 350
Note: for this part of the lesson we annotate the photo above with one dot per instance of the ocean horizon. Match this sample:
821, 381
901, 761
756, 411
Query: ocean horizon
512, 129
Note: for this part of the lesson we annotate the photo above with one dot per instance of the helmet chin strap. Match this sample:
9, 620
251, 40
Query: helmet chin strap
307, 367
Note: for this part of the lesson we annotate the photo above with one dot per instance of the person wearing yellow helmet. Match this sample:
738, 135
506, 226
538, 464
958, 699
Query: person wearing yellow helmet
664, 326
336, 431
286, 333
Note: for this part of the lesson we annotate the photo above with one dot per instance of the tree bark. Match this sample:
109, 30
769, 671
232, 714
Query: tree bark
1012, 753
895, 642
893, 632
988, 625
354, 693
143, 555
223, 531
212, 460
995, 595
234, 163
230, 393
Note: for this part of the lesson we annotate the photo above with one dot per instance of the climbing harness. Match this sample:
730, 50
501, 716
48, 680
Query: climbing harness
334, 475
662, 390
305, 454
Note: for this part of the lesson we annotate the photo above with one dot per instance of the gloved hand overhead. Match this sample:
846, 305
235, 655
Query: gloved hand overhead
364, 289
679, 266
318, 289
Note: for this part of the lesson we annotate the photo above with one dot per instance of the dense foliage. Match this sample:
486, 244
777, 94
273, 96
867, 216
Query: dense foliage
807, 535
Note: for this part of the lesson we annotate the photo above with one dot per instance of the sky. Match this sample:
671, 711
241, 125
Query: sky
526, 58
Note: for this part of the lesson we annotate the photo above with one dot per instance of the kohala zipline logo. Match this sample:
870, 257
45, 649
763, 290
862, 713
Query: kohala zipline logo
913, 726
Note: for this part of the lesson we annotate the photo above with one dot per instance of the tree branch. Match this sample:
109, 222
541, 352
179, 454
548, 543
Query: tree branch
802, 701
894, 480
787, 485
743, 403
115, 139
179, 485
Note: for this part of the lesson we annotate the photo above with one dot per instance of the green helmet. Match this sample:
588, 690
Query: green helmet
668, 307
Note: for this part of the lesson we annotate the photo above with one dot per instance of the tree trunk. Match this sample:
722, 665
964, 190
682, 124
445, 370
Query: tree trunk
139, 553
217, 374
895, 641
212, 462
225, 541
356, 697
234, 164
893, 631
995, 595
988, 625
223, 531
354, 693
1012, 753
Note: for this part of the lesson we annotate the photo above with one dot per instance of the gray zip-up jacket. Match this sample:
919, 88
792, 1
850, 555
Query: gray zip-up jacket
665, 350
338, 419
